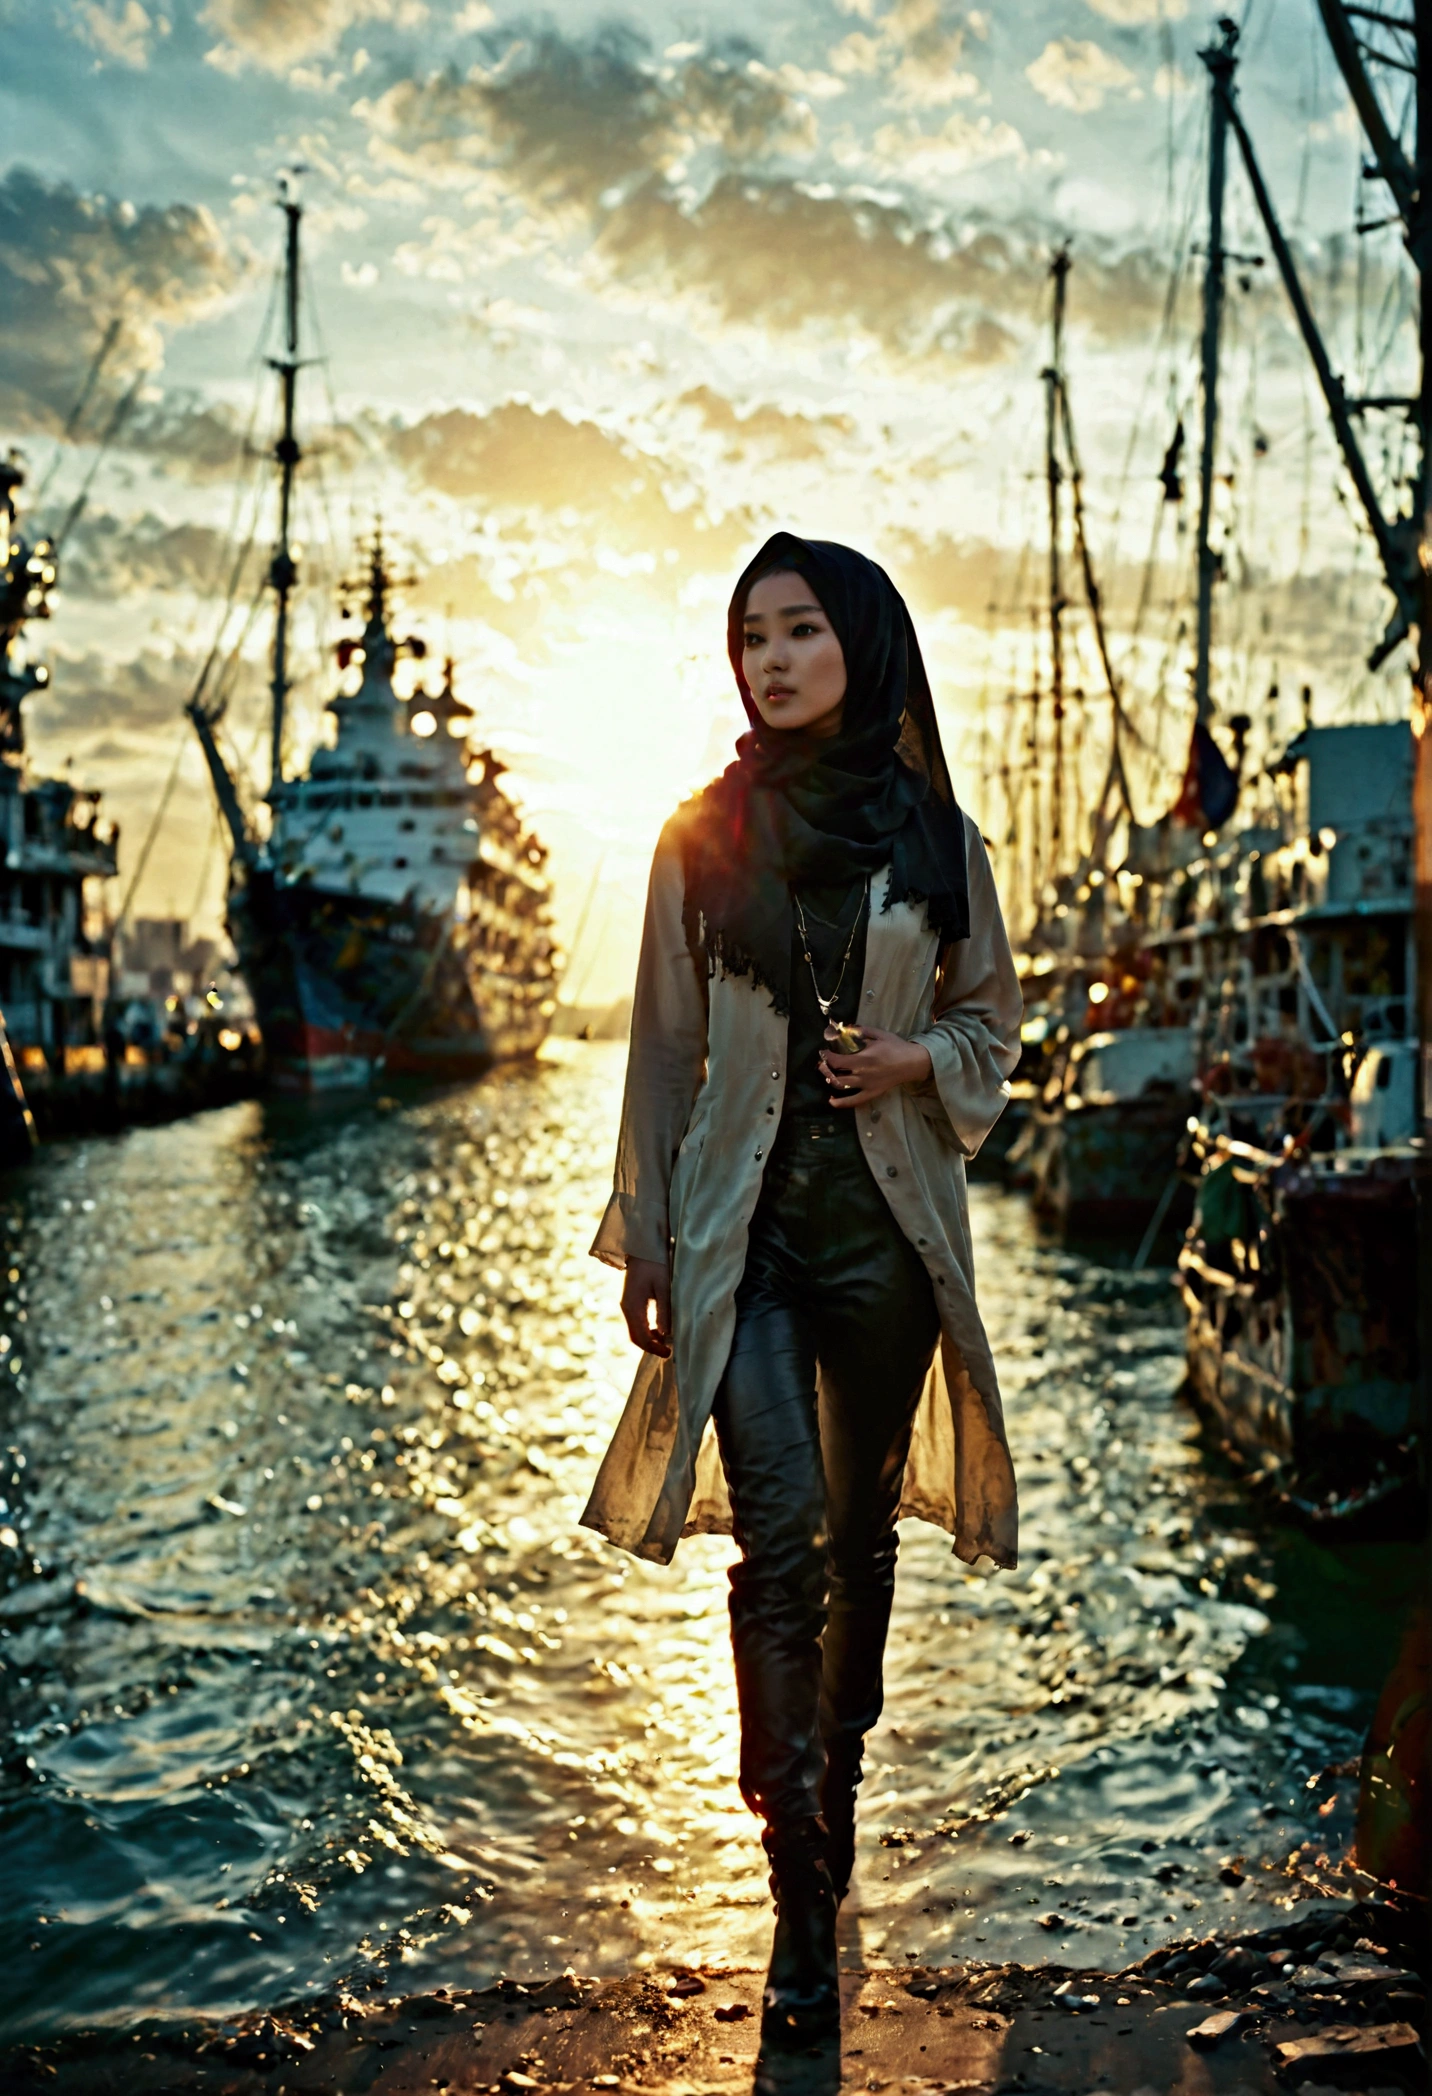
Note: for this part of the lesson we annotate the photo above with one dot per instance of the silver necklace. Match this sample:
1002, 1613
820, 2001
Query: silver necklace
825, 1003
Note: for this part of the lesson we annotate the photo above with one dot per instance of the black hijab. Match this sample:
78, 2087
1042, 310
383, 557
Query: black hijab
798, 808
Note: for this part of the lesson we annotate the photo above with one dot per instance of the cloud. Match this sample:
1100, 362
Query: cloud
70, 265
518, 455
680, 178
1133, 14
1072, 74
120, 30
111, 557
778, 256
532, 460
961, 142
278, 34
924, 41
204, 440
90, 692
572, 124
916, 48
765, 429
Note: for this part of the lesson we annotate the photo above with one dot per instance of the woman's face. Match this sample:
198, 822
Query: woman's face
793, 661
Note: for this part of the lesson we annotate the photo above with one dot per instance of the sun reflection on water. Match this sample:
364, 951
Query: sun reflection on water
311, 1671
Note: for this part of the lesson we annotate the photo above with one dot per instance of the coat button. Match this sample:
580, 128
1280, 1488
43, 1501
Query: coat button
775, 1073
770, 1109
875, 1113
890, 1172
759, 1155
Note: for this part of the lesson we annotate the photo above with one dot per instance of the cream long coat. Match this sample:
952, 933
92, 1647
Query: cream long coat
704, 1085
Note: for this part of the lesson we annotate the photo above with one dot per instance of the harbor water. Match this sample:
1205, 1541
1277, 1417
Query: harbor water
308, 1670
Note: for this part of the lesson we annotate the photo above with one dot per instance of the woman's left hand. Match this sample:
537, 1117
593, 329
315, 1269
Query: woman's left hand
886, 1061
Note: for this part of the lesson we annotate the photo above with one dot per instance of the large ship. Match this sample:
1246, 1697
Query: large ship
394, 918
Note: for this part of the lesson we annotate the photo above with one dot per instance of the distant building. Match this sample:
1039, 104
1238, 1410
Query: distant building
156, 958
56, 855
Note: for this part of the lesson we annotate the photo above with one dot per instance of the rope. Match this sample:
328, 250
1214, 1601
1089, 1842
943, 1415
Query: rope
143, 860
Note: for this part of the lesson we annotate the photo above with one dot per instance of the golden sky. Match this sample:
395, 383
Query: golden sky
599, 298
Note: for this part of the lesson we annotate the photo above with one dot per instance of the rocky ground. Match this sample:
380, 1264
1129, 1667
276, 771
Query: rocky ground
1331, 2001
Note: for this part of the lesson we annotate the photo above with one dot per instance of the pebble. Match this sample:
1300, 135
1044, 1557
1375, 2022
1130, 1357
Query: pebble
1384, 2045
1214, 2028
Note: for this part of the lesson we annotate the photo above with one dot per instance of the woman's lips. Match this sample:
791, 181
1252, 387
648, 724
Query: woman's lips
779, 691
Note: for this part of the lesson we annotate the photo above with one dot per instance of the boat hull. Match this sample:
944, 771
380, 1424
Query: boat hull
1300, 1285
349, 990
1102, 1165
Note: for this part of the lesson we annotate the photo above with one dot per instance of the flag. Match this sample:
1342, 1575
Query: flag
1209, 793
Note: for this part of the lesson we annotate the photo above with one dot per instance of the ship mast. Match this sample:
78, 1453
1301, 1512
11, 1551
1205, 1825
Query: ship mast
1404, 540
283, 572
206, 712
1054, 477
1220, 62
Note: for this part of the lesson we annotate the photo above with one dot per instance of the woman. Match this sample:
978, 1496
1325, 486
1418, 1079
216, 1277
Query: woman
825, 1020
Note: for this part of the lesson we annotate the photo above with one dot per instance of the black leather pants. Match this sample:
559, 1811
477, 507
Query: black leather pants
835, 1328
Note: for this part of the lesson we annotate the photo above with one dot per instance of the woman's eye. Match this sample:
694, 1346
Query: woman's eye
797, 631
753, 640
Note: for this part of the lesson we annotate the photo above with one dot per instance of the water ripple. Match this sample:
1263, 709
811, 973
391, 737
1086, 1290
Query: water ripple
307, 1666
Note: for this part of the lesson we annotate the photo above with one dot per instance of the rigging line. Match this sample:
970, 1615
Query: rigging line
148, 845
590, 898
1310, 103
603, 927
76, 414
1180, 252
324, 360
205, 598
219, 706
1169, 51
215, 820
1146, 587
1174, 407
243, 485
206, 668
230, 669
1086, 562
112, 429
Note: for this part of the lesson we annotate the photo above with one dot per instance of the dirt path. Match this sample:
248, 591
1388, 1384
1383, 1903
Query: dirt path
988, 2030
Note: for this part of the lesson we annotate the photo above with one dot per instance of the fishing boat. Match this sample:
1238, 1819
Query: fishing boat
392, 916
1230, 1005
1104, 1085
1299, 1271
1307, 1259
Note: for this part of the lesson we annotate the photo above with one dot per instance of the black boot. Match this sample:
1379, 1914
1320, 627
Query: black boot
837, 1808
802, 1999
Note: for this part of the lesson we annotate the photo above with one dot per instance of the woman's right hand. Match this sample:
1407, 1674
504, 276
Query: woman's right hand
646, 1305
